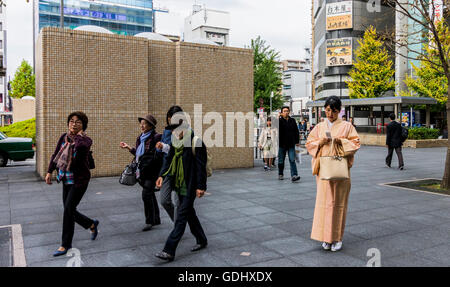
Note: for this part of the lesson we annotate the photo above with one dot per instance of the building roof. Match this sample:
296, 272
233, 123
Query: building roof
379, 101
203, 41
153, 36
93, 28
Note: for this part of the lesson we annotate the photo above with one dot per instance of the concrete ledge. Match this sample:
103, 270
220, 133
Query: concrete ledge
425, 143
18, 251
380, 140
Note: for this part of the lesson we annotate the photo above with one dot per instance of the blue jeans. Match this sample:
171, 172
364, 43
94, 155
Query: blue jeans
282, 155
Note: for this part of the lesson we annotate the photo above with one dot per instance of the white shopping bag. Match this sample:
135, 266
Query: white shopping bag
298, 154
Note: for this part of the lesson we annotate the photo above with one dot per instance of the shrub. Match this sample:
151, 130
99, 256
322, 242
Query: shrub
422, 133
24, 129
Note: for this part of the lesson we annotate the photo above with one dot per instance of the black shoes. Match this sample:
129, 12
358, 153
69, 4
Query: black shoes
165, 256
147, 227
94, 232
198, 247
401, 167
60, 253
295, 178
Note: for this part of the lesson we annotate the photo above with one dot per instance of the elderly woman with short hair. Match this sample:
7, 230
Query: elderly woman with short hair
71, 160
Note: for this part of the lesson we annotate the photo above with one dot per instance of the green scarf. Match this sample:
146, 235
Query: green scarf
176, 166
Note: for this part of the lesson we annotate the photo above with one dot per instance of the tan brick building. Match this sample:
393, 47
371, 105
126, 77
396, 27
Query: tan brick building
115, 79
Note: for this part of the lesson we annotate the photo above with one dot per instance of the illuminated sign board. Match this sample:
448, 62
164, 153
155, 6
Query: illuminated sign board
94, 14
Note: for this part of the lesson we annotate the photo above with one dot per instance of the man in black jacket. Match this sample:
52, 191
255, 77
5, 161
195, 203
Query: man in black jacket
289, 137
394, 141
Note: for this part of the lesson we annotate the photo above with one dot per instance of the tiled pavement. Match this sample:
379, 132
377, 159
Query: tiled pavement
248, 210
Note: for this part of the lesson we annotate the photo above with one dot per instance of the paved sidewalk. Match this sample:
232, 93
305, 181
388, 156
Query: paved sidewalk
248, 210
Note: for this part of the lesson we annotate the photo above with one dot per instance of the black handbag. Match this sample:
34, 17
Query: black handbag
91, 161
128, 176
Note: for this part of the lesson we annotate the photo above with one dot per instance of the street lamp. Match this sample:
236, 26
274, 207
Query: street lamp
271, 96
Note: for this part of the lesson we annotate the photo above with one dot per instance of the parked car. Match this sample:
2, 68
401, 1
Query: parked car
17, 149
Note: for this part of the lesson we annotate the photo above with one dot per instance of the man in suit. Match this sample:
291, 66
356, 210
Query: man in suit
394, 141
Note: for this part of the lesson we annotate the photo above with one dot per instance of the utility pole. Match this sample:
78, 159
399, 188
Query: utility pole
61, 20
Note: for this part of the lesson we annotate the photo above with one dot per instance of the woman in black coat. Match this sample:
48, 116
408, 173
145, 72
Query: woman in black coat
149, 162
188, 172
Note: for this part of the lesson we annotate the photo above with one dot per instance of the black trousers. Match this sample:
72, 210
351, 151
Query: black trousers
151, 208
71, 198
398, 151
185, 215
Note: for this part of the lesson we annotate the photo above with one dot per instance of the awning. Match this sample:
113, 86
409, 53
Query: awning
383, 101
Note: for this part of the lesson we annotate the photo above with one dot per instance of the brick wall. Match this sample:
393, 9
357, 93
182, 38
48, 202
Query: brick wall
115, 79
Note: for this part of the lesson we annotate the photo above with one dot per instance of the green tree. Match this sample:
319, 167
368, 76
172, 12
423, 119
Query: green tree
266, 75
23, 83
371, 75
437, 36
430, 81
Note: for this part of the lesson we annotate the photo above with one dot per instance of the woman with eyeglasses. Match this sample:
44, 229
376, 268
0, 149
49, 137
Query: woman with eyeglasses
71, 161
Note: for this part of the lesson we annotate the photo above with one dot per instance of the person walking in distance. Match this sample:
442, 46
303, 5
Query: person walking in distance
289, 137
394, 141
268, 144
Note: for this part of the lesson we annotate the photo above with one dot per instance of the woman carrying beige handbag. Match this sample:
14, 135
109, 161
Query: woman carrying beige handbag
331, 155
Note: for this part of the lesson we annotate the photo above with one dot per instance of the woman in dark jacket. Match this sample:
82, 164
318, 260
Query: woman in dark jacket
168, 199
188, 172
71, 160
148, 169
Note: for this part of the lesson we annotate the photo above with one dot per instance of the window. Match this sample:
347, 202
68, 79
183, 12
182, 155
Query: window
287, 87
1, 26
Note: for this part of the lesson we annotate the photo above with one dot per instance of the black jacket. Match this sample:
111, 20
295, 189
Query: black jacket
394, 135
194, 166
151, 161
289, 134
80, 163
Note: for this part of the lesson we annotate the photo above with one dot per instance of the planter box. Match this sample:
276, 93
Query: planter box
380, 140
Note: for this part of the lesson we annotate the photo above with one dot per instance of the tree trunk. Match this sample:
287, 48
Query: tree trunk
446, 179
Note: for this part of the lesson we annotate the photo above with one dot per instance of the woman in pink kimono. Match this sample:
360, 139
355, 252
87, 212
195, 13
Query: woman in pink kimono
332, 196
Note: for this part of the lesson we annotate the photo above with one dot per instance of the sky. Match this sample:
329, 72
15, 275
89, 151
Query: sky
284, 24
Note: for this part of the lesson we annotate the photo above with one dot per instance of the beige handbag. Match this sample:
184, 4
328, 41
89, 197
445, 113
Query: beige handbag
334, 167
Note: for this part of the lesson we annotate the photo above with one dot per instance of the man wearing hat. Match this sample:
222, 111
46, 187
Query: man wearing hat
150, 160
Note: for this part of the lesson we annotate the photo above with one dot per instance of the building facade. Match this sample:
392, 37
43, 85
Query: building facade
4, 104
297, 91
337, 27
207, 24
124, 17
294, 65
